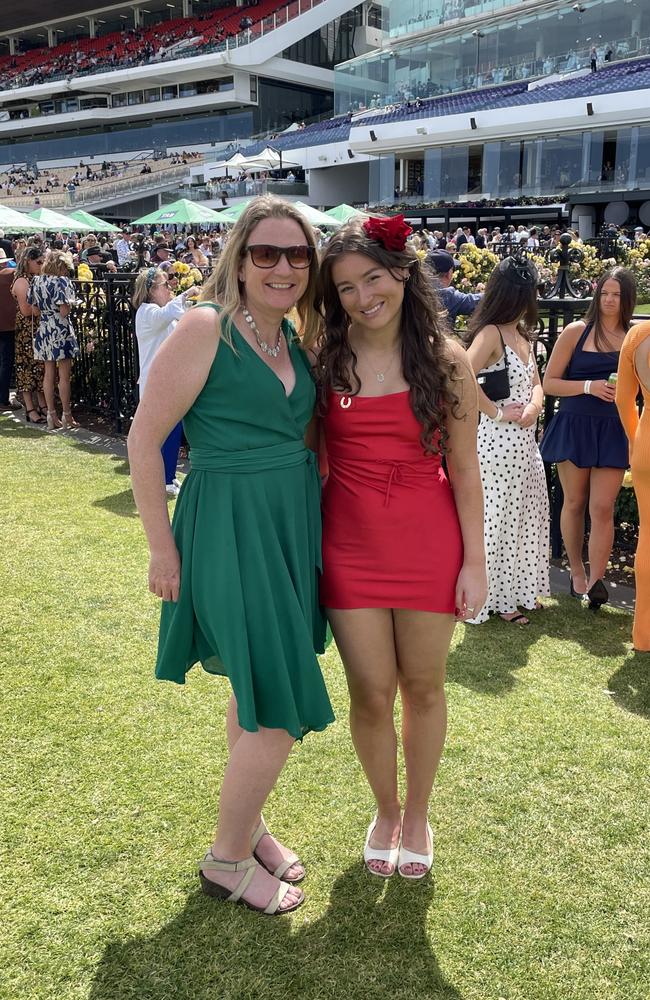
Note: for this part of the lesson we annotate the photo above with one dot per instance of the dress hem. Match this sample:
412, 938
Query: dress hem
390, 607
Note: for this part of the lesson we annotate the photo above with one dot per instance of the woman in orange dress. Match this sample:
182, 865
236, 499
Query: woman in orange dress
634, 374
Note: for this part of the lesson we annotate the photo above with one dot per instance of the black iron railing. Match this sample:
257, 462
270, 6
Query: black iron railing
106, 372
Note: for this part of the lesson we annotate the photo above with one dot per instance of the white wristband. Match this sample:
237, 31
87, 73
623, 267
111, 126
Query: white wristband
498, 416
587, 387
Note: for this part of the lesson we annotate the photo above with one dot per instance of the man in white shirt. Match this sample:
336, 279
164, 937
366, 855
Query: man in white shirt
122, 248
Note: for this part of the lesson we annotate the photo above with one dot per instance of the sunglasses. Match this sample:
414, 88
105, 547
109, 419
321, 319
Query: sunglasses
266, 256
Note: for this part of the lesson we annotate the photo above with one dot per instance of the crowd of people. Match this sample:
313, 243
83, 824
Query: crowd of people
25, 181
430, 443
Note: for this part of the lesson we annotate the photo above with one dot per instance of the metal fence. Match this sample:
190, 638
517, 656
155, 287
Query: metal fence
105, 374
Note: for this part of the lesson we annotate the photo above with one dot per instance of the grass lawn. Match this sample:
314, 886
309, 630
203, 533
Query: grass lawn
109, 783
644, 309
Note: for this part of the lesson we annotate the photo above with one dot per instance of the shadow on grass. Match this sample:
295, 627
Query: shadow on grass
12, 427
631, 684
101, 443
118, 503
489, 654
366, 946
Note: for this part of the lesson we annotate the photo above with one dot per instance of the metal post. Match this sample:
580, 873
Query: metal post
112, 347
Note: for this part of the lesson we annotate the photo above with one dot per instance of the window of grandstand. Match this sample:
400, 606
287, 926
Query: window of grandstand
539, 43
589, 161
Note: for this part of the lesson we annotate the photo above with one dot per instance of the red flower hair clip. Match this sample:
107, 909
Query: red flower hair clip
391, 233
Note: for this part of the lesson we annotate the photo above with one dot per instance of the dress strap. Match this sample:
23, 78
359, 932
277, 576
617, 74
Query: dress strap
210, 305
583, 337
503, 348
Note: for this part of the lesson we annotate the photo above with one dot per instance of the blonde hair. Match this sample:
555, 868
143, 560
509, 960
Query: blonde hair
58, 263
224, 287
144, 283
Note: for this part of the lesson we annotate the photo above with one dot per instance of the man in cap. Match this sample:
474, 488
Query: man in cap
456, 303
160, 253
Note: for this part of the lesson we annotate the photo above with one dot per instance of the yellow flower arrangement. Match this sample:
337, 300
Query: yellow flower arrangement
84, 272
180, 267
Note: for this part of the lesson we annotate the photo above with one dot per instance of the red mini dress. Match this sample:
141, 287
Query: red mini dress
391, 536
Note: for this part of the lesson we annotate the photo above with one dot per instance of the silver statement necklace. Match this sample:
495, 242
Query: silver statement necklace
272, 352
381, 375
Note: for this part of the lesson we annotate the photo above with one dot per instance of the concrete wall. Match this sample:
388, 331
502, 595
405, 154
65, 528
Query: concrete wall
329, 186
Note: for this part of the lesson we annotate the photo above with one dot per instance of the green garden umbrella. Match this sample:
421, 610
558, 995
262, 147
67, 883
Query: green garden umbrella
182, 212
343, 213
316, 218
94, 222
231, 214
57, 222
15, 222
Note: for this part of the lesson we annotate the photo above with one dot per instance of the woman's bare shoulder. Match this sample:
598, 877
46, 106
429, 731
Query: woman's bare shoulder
573, 331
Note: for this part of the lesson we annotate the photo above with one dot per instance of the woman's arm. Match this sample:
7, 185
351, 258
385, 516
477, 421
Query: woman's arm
465, 479
158, 318
167, 397
486, 350
533, 409
20, 291
554, 382
627, 387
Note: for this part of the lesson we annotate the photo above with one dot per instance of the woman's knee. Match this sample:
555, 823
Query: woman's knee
422, 694
574, 503
601, 511
372, 705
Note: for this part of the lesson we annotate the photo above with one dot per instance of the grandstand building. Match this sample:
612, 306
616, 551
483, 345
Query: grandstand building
497, 100
152, 77
407, 102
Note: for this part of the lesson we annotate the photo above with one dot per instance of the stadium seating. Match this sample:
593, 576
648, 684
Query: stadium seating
182, 36
618, 78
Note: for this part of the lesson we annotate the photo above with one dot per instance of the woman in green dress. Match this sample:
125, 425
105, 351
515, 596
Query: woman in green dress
238, 569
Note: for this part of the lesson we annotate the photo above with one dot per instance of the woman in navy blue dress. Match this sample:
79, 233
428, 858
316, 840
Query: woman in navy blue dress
586, 437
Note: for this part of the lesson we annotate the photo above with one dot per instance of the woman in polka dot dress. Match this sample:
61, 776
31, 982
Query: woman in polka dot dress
516, 517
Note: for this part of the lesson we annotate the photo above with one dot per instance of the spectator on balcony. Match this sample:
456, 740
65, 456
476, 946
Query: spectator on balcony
455, 302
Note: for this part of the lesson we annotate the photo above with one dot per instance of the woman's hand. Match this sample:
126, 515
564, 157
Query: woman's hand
601, 389
512, 412
529, 416
471, 591
165, 573
192, 292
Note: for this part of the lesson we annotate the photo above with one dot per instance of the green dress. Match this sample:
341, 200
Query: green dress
248, 530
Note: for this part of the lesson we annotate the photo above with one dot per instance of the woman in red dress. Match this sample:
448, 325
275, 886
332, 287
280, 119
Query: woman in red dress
403, 556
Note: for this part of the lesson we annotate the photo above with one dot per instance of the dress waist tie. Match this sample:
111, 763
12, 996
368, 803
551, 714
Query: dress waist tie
277, 456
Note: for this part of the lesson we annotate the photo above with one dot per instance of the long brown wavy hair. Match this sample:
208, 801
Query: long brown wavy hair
627, 285
510, 294
427, 364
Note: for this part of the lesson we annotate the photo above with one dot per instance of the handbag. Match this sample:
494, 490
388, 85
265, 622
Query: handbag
496, 385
